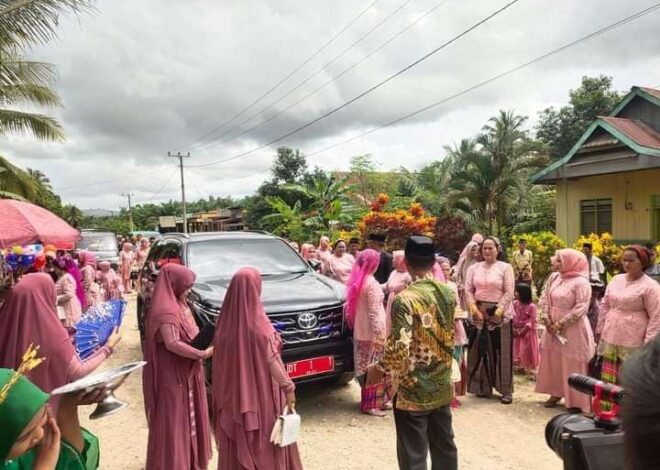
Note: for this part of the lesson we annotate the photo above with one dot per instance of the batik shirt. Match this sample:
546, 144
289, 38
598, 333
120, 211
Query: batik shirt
522, 264
418, 354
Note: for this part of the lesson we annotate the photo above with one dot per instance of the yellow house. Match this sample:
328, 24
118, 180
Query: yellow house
610, 180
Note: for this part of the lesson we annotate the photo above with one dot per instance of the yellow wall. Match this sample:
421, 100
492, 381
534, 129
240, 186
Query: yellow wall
636, 187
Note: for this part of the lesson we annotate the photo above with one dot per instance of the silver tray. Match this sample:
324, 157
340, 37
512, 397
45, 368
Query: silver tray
108, 378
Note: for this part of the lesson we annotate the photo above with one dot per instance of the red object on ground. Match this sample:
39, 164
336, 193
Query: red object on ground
22, 223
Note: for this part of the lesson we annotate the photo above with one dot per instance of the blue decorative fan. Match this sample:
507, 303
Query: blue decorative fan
96, 325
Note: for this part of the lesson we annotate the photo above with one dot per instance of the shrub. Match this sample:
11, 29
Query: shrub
605, 248
543, 246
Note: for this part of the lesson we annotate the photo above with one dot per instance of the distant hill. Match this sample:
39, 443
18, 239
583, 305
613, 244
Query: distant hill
98, 213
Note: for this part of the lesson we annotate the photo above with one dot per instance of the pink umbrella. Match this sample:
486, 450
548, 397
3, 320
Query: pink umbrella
22, 223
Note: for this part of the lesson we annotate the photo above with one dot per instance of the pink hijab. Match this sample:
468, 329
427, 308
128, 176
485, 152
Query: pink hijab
168, 410
305, 251
87, 258
67, 263
324, 244
28, 316
365, 265
246, 400
127, 247
573, 263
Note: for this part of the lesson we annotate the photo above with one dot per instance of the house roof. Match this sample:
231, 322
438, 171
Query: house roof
651, 91
636, 131
649, 94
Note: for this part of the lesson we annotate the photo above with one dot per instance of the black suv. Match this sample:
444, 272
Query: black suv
305, 307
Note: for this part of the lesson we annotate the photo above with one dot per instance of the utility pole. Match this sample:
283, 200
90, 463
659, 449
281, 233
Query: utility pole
130, 211
183, 187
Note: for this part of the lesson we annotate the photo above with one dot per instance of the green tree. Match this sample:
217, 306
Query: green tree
73, 216
561, 129
431, 186
16, 183
285, 220
290, 165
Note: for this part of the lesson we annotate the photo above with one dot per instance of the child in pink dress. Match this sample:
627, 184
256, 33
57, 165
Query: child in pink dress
525, 337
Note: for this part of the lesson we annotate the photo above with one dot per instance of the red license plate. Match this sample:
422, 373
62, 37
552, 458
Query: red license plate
308, 367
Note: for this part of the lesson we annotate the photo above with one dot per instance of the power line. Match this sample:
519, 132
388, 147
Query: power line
369, 90
305, 81
161, 189
482, 83
283, 80
328, 82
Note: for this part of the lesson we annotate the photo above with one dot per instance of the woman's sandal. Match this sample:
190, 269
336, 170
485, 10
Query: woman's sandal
376, 413
506, 399
551, 402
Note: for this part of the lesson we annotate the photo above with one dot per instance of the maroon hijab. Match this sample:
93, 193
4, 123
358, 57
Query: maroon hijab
29, 316
245, 398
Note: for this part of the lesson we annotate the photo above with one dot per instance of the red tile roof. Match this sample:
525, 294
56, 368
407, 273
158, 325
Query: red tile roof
636, 130
652, 91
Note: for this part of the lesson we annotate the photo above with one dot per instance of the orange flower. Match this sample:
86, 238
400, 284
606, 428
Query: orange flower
383, 199
416, 210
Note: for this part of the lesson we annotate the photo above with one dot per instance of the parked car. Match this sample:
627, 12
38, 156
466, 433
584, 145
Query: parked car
305, 308
102, 243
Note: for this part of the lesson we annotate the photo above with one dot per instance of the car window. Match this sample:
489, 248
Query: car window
217, 259
169, 253
97, 242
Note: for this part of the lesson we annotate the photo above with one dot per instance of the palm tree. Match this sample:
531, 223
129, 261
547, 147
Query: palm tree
431, 186
285, 219
41, 179
494, 168
72, 215
16, 183
26, 23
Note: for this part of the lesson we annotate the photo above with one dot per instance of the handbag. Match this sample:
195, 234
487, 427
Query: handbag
286, 429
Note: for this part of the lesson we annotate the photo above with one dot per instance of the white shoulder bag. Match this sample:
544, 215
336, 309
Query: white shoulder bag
287, 429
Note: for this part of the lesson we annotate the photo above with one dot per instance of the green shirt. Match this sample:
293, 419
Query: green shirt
418, 354
70, 458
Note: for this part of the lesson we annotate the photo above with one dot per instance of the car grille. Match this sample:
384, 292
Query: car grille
309, 325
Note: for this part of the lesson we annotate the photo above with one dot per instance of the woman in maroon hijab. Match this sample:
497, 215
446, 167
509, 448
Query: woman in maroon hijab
250, 384
29, 317
173, 379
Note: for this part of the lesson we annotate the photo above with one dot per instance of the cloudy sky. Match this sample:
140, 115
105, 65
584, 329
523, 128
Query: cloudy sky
139, 78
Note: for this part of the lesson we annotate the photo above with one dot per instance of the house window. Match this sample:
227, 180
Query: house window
595, 216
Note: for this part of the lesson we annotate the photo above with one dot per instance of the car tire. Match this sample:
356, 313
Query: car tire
344, 379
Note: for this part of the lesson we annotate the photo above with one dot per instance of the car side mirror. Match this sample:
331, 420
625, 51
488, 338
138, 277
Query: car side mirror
315, 264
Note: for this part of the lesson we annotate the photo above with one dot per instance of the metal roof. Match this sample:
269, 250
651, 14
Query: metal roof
636, 131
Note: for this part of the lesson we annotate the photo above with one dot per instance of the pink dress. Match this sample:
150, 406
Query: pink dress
369, 329
397, 282
460, 337
339, 267
65, 288
141, 256
525, 337
112, 285
566, 299
126, 260
630, 312
324, 257
92, 289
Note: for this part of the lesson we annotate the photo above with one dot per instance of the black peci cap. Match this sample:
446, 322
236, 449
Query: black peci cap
353, 240
420, 247
587, 245
522, 240
377, 237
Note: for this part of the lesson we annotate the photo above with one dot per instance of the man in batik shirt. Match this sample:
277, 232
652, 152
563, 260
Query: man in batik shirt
521, 262
418, 357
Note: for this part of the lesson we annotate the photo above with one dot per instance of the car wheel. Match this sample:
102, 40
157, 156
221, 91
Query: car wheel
344, 379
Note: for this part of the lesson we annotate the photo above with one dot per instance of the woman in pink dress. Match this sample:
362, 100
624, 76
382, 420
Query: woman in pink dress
489, 289
250, 384
324, 252
142, 253
70, 292
113, 288
460, 271
365, 314
87, 261
27, 317
340, 263
525, 335
629, 313
126, 258
568, 342
399, 279
173, 379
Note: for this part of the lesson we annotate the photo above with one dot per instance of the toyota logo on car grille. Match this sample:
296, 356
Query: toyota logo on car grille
307, 321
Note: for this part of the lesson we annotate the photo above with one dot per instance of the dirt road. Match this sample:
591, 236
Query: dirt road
490, 436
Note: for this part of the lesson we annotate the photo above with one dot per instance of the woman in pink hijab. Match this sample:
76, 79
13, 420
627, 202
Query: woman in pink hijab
365, 314
70, 292
340, 263
113, 288
250, 384
568, 342
324, 252
142, 252
88, 276
126, 258
173, 379
399, 279
308, 251
28, 316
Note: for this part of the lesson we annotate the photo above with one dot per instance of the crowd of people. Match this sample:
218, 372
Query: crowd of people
425, 332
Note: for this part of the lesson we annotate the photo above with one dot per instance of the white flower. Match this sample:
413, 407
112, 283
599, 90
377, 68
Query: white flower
427, 320
405, 338
409, 318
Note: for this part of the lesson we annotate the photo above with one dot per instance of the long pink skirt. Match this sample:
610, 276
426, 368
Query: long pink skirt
526, 350
553, 379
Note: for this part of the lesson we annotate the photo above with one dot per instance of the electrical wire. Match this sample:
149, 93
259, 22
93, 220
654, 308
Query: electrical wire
328, 82
305, 81
162, 188
367, 91
283, 80
482, 83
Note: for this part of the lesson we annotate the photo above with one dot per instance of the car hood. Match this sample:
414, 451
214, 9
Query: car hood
281, 293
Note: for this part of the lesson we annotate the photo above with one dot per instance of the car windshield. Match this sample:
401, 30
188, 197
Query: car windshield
97, 242
217, 259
